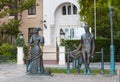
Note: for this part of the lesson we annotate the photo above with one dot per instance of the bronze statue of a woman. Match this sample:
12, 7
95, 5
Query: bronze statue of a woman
36, 61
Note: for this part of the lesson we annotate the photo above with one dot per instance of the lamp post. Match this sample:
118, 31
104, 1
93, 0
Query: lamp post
62, 34
112, 60
95, 17
62, 37
45, 24
20, 43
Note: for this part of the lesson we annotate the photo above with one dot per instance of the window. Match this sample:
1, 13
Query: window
32, 10
74, 9
67, 34
64, 10
71, 33
69, 10
30, 33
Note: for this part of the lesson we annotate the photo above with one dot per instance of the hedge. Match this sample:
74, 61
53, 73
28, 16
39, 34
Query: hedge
99, 43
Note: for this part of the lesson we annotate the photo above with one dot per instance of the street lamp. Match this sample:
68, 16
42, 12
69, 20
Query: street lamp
95, 17
62, 34
45, 25
62, 37
112, 60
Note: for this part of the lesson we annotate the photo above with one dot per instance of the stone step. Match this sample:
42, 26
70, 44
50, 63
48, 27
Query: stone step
49, 49
49, 53
50, 62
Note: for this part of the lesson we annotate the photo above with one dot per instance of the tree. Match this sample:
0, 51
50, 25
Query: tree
13, 8
102, 16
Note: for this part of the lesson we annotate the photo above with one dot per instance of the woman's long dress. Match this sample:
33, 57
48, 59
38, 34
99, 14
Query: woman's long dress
36, 61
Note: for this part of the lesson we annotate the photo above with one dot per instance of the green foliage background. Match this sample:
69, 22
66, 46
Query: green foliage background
8, 50
99, 43
11, 29
102, 16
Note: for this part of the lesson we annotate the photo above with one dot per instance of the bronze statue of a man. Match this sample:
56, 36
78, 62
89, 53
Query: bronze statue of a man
36, 61
87, 47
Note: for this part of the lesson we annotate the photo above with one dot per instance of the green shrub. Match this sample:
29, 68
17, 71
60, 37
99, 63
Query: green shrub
9, 51
20, 42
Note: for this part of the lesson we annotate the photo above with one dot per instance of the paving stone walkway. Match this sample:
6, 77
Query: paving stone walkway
16, 73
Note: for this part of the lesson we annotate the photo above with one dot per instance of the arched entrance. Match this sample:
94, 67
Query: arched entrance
66, 17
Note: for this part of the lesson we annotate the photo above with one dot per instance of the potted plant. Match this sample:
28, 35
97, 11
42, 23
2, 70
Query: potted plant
20, 43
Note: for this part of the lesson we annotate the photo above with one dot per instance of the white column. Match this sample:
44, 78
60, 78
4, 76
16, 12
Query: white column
62, 55
20, 55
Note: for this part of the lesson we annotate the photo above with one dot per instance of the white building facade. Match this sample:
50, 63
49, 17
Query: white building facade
63, 14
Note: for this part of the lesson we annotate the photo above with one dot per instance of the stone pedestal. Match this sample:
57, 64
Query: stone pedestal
62, 55
20, 55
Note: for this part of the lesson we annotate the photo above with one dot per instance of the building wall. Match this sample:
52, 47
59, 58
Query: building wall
50, 11
30, 21
49, 8
52, 14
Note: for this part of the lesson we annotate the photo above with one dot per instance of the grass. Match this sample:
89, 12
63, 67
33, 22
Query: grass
73, 71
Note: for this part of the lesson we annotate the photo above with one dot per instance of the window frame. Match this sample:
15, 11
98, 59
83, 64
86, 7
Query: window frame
32, 10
